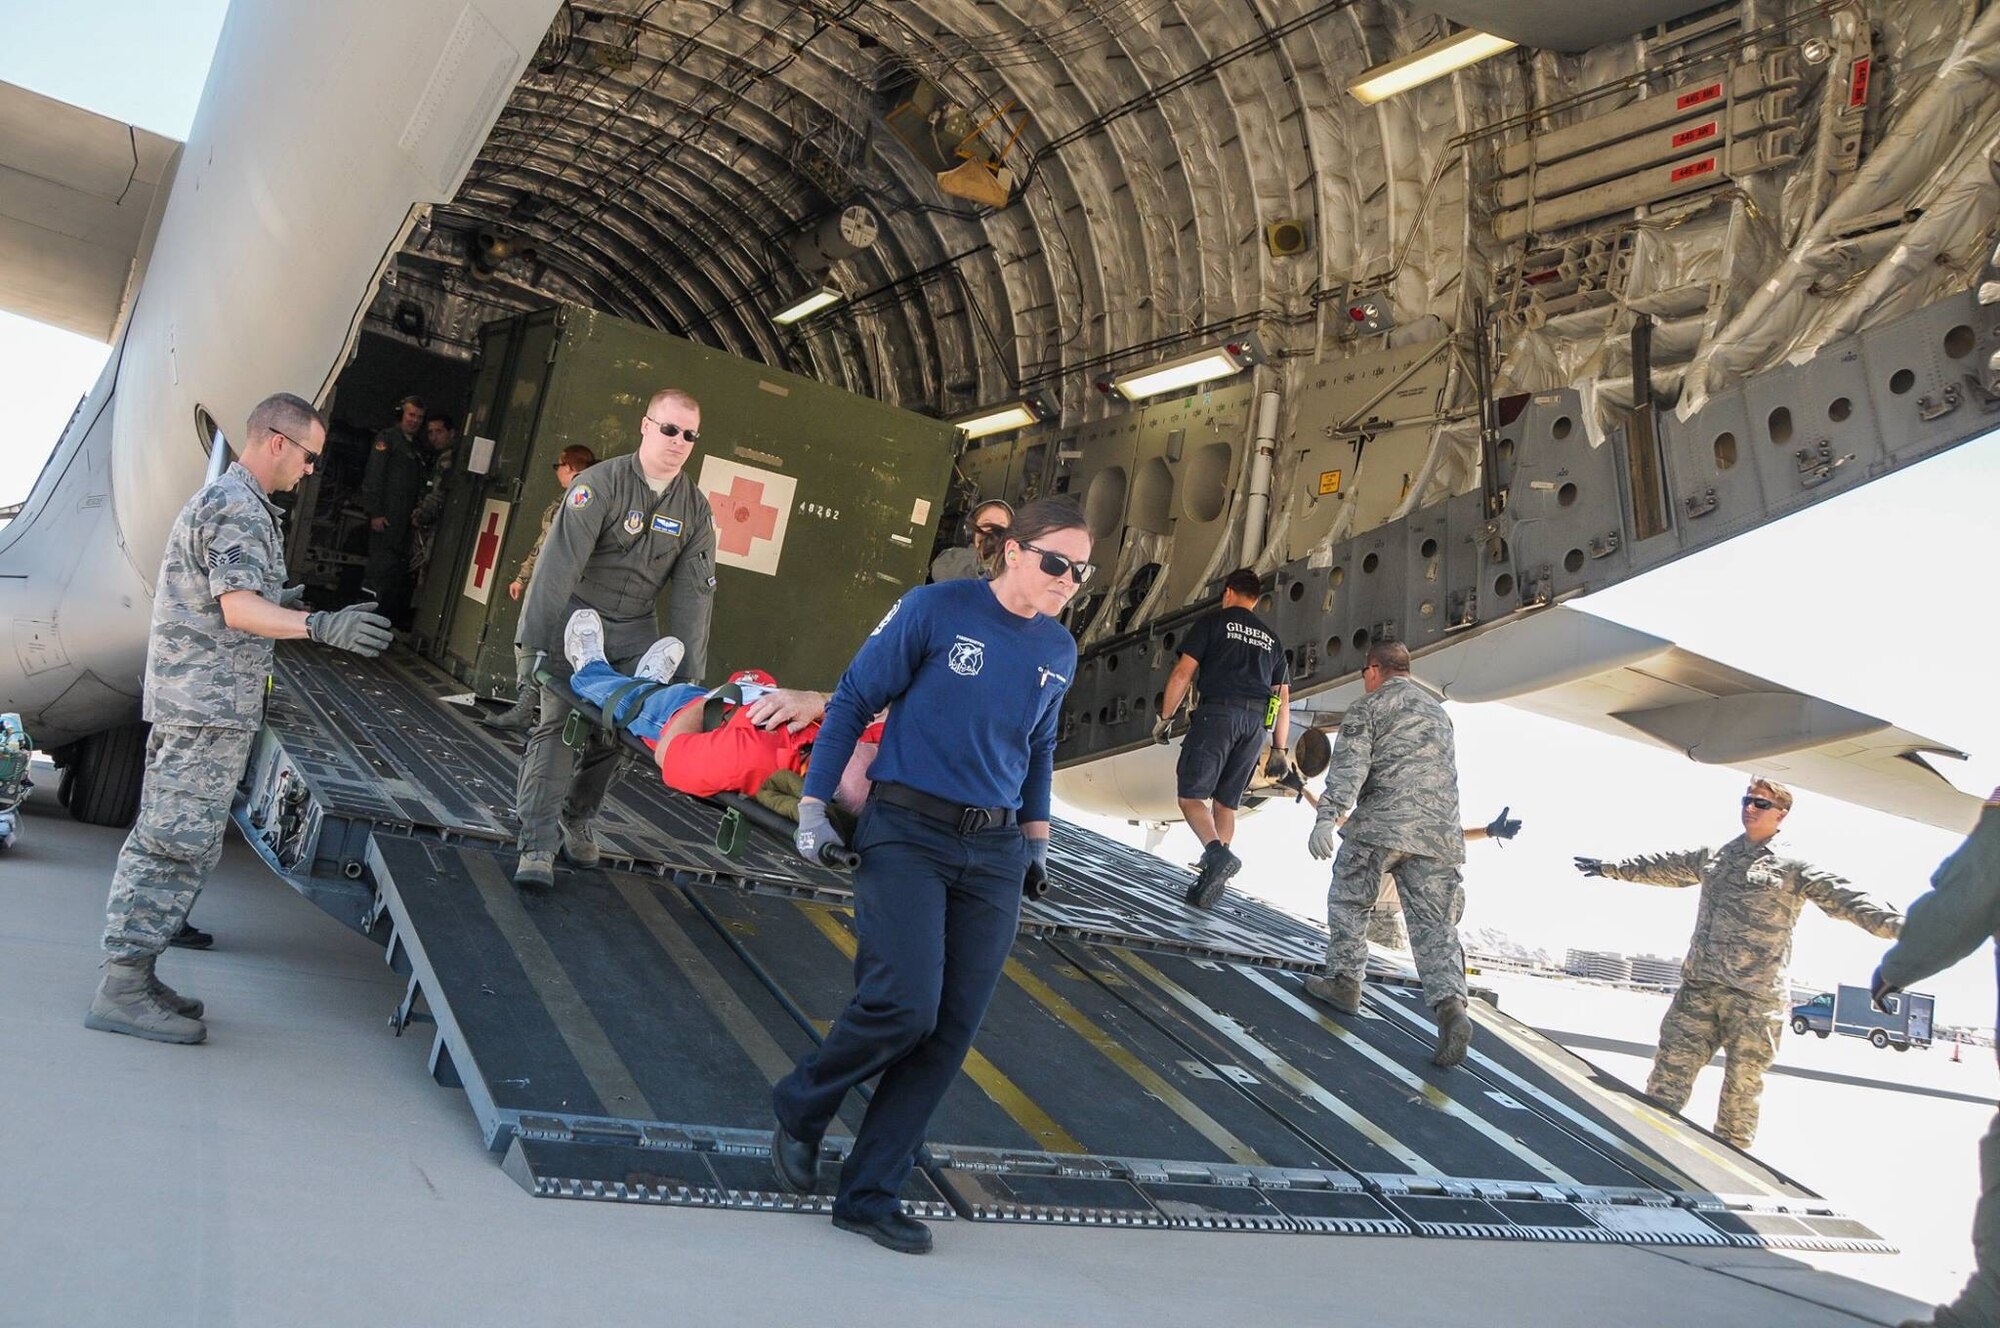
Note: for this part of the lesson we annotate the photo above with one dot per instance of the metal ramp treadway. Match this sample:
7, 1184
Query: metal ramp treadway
1143, 1065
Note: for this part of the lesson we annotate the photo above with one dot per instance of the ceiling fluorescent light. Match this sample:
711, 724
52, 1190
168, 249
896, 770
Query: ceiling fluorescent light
809, 305
1189, 370
1419, 67
1017, 415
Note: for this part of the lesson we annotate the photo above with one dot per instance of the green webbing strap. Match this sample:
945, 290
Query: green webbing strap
626, 701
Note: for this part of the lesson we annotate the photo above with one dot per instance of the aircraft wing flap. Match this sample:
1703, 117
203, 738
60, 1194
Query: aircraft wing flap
76, 191
1585, 670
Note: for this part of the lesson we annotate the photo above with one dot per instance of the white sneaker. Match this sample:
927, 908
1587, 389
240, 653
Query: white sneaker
583, 639
661, 659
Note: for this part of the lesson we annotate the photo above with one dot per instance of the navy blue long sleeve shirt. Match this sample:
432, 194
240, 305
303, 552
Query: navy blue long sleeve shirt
974, 693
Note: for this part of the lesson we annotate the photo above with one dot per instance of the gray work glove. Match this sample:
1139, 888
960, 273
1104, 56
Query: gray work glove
357, 628
1035, 882
1325, 841
1590, 866
816, 839
1278, 763
1503, 827
1160, 727
290, 597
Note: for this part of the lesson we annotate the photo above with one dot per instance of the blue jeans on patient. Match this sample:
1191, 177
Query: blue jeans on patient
595, 682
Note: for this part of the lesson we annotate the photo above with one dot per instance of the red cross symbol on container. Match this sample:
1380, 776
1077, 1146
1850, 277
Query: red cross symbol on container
742, 517
489, 549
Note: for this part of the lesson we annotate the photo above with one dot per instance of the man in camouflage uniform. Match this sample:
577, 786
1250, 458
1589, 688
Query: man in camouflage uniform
628, 528
219, 602
441, 432
570, 462
1733, 990
1396, 765
1961, 911
1385, 920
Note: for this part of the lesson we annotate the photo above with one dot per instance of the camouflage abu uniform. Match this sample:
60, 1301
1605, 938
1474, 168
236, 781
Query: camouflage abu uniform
1732, 993
1396, 764
524, 659
1958, 915
205, 686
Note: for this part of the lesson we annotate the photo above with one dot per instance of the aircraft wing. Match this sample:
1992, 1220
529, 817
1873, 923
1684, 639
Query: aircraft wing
1575, 666
77, 191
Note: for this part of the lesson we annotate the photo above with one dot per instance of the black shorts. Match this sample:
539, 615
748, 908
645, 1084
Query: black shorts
1220, 752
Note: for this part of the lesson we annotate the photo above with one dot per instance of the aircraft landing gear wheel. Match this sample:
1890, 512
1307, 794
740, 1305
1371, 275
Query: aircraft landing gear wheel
104, 776
1800, 1026
1879, 1039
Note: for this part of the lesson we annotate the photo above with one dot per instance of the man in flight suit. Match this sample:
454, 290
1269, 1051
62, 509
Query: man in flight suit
1242, 668
628, 528
219, 602
1733, 988
1396, 765
400, 461
1961, 911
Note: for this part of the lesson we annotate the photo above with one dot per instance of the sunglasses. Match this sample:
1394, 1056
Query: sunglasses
1761, 804
312, 457
674, 430
1055, 564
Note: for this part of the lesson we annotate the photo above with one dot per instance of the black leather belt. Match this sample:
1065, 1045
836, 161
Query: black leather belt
966, 820
1239, 702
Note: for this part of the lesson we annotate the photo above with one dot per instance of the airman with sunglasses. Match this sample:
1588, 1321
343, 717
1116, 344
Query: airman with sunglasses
1733, 989
628, 529
219, 602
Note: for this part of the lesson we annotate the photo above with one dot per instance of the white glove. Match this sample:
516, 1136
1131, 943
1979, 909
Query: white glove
1325, 841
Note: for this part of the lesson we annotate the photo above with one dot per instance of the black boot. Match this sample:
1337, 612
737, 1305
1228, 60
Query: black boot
521, 716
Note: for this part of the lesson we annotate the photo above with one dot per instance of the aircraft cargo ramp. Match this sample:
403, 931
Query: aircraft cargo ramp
1143, 1064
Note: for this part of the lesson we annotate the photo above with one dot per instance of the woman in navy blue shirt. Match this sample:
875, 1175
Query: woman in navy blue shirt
973, 673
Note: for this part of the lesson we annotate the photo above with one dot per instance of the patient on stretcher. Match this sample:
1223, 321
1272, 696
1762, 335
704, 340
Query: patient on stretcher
705, 741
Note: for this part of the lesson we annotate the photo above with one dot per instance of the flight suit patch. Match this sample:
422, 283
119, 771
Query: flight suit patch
666, 525
580, 496
635, 521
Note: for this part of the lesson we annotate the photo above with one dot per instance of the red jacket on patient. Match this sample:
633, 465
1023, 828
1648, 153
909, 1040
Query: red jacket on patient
735, 756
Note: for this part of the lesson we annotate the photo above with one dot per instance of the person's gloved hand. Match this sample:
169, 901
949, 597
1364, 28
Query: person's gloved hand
1278, 763
357, 628
816, 836
1880, 990
1590, 866
1035, 882
1325, 840
1160, 727
1502, 827
290, 597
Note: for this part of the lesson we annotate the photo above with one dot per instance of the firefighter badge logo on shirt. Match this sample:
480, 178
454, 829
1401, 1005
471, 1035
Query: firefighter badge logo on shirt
635, 521
967, 657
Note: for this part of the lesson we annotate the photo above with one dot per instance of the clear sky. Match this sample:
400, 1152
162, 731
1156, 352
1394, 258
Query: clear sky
1879, 600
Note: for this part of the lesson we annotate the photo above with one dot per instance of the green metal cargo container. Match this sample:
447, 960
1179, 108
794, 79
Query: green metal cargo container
826, 503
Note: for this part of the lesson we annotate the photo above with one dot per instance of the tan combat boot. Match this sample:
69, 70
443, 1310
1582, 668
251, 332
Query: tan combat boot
125, 1003
1341, 991
187, 1007
1454, 1031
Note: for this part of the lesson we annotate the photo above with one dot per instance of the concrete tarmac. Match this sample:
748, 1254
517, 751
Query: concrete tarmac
302, 1168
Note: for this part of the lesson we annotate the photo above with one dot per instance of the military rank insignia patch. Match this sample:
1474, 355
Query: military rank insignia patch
580, 496
635, 521
667, 525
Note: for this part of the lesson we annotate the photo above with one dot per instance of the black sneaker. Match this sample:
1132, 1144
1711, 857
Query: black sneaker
191, 937
1218, 864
